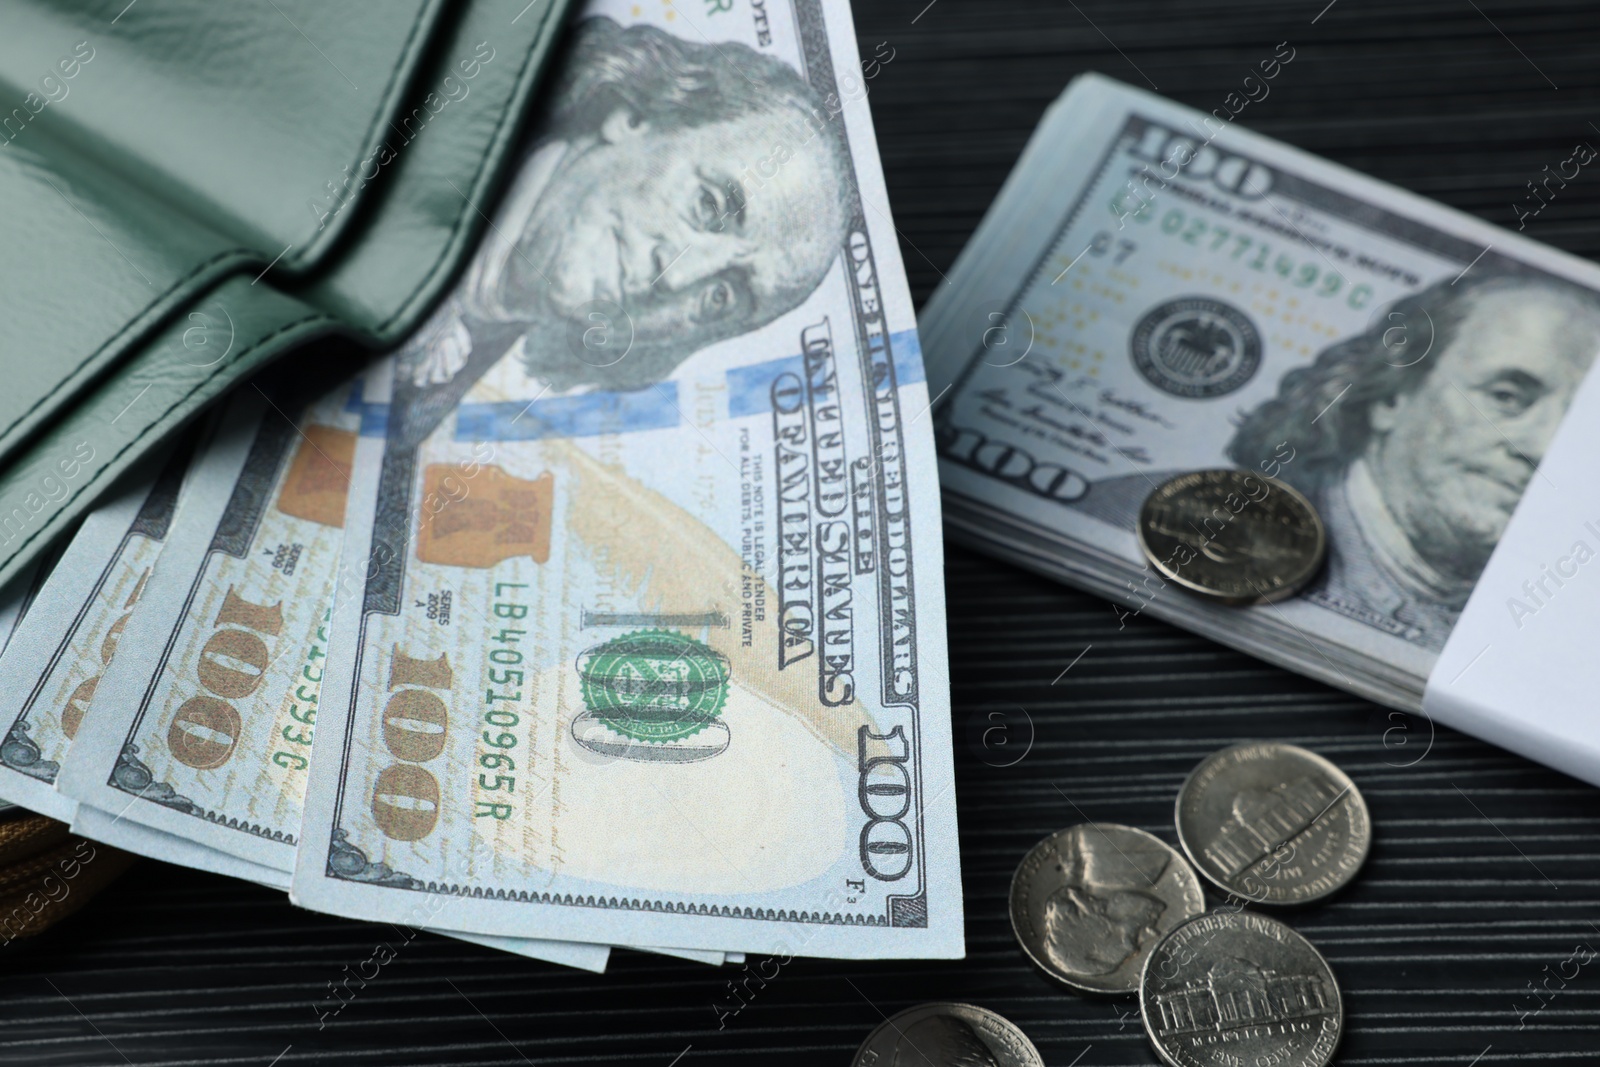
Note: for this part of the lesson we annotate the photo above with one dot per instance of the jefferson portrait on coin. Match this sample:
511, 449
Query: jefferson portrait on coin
941, 1041
678, 193
1416, 438
1100, 917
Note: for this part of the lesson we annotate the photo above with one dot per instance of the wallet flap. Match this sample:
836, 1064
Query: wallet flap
156, 148
87, 269
417, 227
178, 371
237, 114
457, 138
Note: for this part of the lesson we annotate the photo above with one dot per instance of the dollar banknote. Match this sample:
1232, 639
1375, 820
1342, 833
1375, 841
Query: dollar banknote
202, 744
64, 648
165, 770
156, 844
1157, 291
114, 829
14, 602
52, 666
204, 728
647, 643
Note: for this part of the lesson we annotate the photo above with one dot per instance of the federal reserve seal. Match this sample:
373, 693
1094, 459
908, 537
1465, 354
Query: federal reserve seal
654, 686
1196, 347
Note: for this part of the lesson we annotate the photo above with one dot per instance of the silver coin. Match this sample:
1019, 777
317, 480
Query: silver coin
1273, 823
1089, 902
1233, 536
947, 1035
1234, 987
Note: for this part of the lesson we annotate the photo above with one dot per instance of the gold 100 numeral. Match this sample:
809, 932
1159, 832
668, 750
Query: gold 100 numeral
233, 664
78, 703
405, 797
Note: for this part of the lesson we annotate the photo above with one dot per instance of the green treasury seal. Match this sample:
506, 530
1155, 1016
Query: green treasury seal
654, 685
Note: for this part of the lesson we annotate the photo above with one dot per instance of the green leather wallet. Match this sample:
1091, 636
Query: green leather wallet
195, 188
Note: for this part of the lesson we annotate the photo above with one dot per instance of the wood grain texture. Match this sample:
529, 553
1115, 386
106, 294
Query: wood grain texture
1485, 870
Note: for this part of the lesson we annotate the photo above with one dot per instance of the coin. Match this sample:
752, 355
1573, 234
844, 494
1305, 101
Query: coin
946, 1035
1089, 902
1235, 987
1232, 536
1273, 823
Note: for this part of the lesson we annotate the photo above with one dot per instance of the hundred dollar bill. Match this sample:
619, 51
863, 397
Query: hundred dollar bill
171, 848
62, 647
650, 641
14, 602
1157, 291
202, 728
113, 829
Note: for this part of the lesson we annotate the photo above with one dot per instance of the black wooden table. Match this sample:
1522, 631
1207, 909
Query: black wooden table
1484, 878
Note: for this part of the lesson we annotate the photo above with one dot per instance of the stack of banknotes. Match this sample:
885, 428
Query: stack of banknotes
605, 611
1158, 291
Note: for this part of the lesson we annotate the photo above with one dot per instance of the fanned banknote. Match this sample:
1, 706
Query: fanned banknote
49, 671
204, 728
185, 760
648, 640
14, 602
156, 844
64, 648
1157, 291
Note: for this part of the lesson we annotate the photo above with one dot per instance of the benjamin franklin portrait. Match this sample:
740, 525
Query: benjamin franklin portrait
1431, 425
677, 193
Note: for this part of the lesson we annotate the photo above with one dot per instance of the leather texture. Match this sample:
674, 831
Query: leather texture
160, 291
46, 873
184, 148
